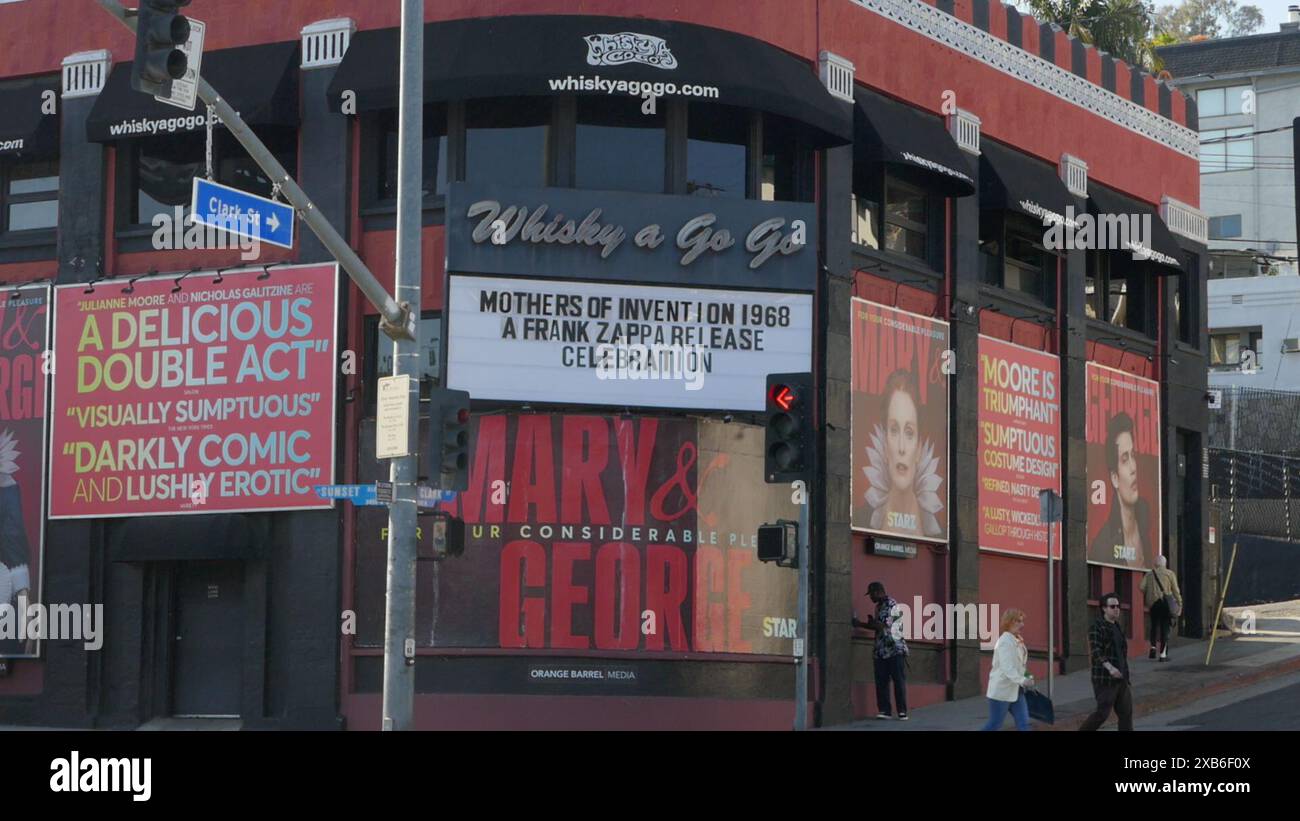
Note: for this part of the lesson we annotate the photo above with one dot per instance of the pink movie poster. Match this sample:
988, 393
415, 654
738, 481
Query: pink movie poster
199, 396
1019, 446
24, 330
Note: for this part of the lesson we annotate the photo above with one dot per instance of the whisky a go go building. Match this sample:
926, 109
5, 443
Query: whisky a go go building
861, 189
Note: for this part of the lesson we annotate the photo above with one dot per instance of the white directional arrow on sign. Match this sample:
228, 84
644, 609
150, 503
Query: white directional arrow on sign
274, 222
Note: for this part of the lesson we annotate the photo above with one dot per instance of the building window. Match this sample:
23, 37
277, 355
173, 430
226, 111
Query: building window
1233, 266
160, 171
787, 168
1227, 149
1225, 227
435, 169
29, 196
906, 219
1117, 290
505, 141
866, 215
618, 147
1223, 101
1227, 347
897, 216
717, 151
1012, 256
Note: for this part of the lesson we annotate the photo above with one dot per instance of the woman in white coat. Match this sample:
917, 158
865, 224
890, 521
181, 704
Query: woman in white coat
1009, 674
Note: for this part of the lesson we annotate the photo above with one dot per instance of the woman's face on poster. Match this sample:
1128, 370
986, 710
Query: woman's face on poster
902, 435
1125, 479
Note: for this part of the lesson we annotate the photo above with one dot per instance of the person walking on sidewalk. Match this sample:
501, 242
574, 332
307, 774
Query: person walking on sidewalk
890, 652
1110, 681
1159, 586
1009, 675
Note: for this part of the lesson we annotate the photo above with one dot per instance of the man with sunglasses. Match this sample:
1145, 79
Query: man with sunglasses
1110, 683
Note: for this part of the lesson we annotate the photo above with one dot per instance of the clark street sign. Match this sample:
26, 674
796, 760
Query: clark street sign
381, 494
241, 213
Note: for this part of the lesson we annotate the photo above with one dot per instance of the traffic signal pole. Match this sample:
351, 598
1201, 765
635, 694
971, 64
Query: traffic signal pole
399, 322
801, 671
399, 614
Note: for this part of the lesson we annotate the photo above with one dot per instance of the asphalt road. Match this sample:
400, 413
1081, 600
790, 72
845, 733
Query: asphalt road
1270, 705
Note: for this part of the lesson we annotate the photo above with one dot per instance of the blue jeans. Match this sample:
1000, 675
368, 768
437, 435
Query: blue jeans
998, 713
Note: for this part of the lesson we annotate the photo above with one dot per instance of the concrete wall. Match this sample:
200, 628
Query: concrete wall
1272, 304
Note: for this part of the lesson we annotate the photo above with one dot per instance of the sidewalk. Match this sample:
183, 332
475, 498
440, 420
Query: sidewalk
1238, 661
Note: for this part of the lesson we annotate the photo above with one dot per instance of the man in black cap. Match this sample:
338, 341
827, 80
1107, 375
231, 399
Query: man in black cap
890, 652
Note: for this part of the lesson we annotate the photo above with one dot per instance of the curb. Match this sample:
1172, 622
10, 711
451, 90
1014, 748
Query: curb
1193, 691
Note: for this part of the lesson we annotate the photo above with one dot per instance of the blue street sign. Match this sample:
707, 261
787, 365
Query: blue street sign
368, 495
430, 496
241, 213
356, 494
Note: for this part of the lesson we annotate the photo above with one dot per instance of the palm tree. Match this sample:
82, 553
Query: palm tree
1121, 27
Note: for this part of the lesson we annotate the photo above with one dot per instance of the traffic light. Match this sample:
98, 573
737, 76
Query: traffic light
447, 454
159, 31
788, 449
779, 543
448, 534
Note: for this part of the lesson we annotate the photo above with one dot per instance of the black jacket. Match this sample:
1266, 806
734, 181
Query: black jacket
1112, 535
14, 550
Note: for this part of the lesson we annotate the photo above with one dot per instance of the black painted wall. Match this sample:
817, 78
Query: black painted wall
964, 539
835, 579
291, 597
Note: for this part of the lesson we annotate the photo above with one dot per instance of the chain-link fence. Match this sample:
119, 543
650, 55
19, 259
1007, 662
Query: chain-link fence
1256, 421
1256, 493
1254, 462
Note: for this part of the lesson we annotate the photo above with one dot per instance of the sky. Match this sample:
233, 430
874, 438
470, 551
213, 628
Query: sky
1274, 13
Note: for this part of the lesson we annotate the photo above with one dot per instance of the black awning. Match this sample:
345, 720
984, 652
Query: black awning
1011, 181
529, 55
1160, 247
177, 538
911, 142
260, 82
25, 129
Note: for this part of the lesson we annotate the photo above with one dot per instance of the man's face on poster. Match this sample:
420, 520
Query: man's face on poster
1125, 477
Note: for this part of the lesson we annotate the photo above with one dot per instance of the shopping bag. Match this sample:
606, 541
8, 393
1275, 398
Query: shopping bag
1040, 706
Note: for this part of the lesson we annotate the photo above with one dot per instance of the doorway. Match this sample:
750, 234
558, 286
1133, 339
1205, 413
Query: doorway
208, 640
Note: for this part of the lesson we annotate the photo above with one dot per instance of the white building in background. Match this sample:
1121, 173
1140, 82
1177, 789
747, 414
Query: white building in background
1247, 92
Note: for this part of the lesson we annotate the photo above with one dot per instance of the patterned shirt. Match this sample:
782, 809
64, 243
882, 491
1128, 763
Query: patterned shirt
887, 646
1106, 642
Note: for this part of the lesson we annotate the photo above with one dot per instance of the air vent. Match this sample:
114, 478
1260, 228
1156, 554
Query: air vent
965, 129
1074, 173
837, 75
1236, 299
84, 73
1185, 220
324, 43
1291, 345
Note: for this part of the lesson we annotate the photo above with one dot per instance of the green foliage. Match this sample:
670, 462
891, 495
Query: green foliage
1124, 28
1209, 18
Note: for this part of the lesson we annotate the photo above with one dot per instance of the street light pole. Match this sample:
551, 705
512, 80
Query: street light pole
399, 613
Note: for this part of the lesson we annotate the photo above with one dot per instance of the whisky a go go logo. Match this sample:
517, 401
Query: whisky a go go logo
629, 47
